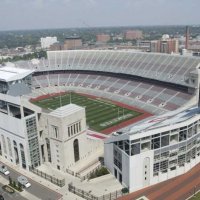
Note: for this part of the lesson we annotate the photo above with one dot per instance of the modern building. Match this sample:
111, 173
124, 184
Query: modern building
47, 42
18, 124
156, 149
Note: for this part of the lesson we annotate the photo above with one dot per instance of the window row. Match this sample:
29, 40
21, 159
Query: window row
74, 129
154, 143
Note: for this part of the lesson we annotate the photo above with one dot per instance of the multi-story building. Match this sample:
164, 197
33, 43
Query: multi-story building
18, 124
156, 149
133, 35
73, 42
165, 46
30, 136
47, 42
102, 38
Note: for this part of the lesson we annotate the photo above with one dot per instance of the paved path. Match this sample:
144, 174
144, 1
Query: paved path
40, 188
8, 196
178, 188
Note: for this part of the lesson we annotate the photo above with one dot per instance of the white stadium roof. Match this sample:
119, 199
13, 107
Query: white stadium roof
8, 74
165, 120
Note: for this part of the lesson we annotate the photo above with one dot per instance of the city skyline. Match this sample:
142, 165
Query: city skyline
42, 14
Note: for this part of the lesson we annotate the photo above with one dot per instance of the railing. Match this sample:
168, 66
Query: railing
70, 172
89, 196
88, 175
56, 181
192, 193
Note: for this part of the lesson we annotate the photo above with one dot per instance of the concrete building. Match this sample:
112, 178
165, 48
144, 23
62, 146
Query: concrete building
102, 38
18, 124
153, 150
47, 42
63, 134
30, 136
156, 149
133, 35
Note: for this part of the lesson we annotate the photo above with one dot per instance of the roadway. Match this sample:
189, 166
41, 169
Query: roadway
36, 190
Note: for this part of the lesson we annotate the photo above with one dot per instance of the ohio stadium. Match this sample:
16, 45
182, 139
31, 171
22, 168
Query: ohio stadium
144, 106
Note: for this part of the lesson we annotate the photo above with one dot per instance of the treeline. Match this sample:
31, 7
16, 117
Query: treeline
30, 56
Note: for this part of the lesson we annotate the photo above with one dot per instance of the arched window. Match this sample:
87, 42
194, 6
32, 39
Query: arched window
4, 144
23, 159
76, 150
9, 146
15, 143
16, 152
21, 146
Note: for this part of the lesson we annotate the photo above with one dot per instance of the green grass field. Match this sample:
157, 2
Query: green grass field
100, 114
196, 197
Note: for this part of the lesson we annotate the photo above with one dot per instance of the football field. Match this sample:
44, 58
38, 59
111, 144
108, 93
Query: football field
100, 113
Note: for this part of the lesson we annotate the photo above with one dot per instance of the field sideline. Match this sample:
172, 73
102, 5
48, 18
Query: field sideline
101, 114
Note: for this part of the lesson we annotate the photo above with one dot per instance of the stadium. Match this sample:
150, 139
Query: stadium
150, 102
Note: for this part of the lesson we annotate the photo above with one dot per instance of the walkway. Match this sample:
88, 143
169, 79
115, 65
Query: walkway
178, 188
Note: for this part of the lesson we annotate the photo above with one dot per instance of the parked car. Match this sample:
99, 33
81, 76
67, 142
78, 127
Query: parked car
4, 170
24, 181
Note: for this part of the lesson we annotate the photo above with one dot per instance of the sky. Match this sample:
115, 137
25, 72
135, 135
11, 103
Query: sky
42, 14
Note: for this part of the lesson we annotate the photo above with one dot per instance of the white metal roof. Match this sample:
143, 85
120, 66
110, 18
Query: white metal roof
66, 110
8, 74
164, 121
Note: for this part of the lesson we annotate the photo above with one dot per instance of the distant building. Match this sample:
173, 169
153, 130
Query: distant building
47, 42
133, 34
186, 52
165, 46
73, 42
144, 45
56, 46
102, 38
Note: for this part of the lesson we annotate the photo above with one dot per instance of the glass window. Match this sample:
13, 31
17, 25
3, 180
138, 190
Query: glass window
135, 149
164, 141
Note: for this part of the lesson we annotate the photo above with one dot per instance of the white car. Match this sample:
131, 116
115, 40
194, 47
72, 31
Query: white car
4, 170
24, 181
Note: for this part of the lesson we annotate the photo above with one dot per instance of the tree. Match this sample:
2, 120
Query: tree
125, 190
14, 184
19, 186
10, 180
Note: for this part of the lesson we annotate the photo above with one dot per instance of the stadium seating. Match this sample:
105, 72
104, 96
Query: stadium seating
163, 67
154, 98
62, 69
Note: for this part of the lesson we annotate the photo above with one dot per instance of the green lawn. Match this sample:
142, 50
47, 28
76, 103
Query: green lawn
196, 197
100, 114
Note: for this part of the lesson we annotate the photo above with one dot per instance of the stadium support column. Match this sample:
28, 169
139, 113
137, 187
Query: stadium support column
194, 85
198, 86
